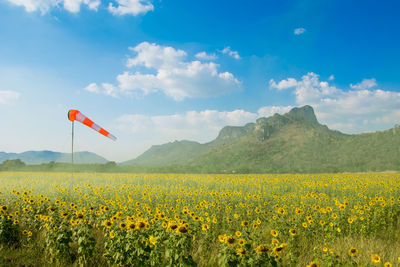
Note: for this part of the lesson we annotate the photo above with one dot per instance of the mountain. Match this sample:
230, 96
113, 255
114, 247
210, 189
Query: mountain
39, 157
292, 142
160, 155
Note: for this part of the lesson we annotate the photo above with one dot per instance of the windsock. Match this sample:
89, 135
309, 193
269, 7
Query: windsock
74, 114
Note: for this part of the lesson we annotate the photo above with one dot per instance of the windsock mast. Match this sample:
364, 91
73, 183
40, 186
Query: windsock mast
76, 115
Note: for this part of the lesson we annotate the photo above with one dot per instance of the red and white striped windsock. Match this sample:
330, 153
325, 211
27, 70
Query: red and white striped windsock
74, 114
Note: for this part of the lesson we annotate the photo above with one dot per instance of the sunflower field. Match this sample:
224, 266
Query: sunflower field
99, 219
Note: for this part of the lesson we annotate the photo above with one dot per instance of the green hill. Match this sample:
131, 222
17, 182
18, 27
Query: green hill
161, 155
293, 142
39, 157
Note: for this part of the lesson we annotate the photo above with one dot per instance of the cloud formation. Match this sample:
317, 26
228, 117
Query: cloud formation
167, 71
202, 126
130, 7
123, 7
365, 84
227, 50
284, 84
204, 56
299, 31
354, 110
7, 96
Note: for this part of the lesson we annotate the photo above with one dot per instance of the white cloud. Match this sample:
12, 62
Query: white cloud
351, 111
93, 88
123, 7
365, 84
202, 126
269, 111
331, 78
204, 56
130, 7
35, 5
284, 84
234, 54
74, 6
299, 31
156, 56
7, 96
105, 88
110, 89
172, 75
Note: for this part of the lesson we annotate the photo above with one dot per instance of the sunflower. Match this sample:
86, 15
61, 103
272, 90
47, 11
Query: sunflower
241, 252
313, 264
245, 223
274, 233
205, 227
182, 229
152, 240
122, 225
107, 223
292, 232
140, 225
387, 264
230, 240
261, 249
353, 252
172, 225
51, 209
221, 238
375, 258
238, 233
112, 234
279, 249
131, 226
242, 242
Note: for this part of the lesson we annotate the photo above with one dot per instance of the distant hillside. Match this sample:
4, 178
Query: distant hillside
161, 155
293, 142
39, 157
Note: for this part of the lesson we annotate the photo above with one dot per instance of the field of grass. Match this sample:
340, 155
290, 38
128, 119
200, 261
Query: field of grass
91, 219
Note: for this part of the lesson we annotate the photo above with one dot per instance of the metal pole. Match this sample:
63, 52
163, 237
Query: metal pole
72, 147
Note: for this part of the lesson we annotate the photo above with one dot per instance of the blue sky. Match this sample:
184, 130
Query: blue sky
152, 72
